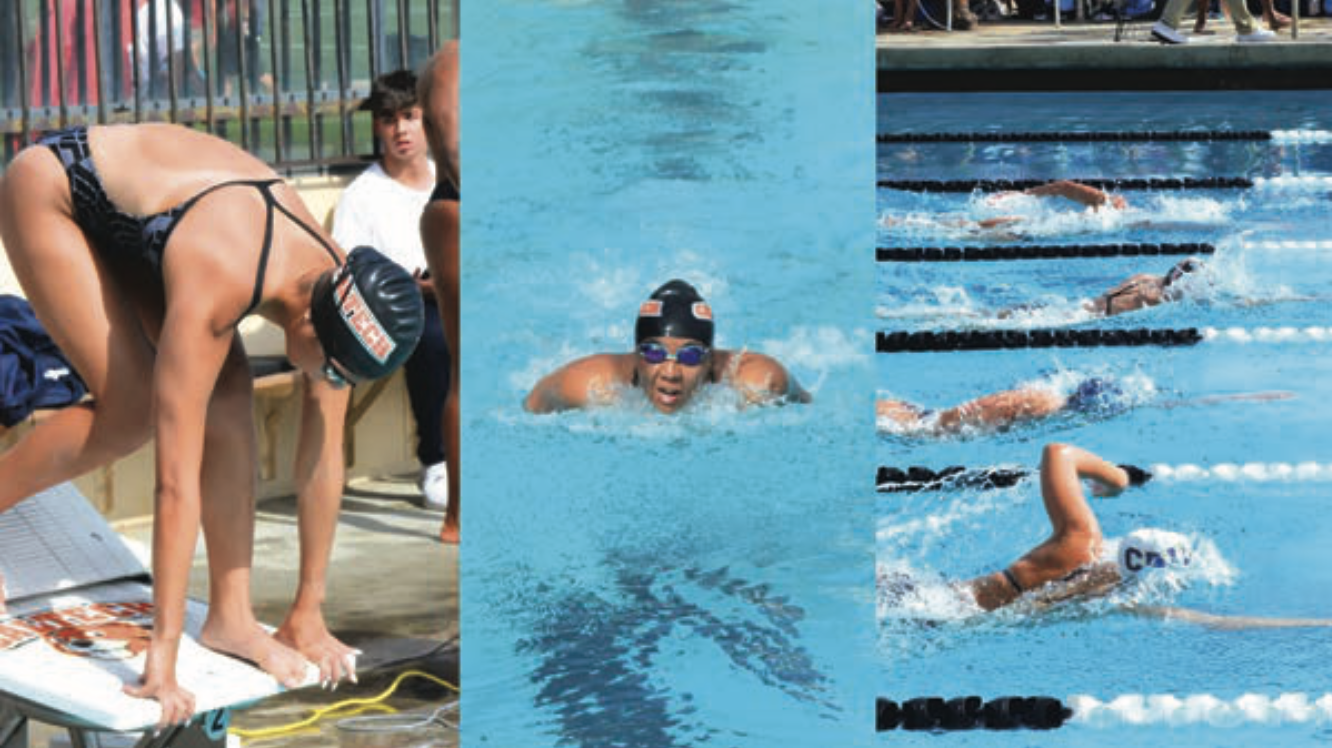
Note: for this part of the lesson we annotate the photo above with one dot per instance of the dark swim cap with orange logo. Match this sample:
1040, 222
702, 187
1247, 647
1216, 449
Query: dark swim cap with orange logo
676, 310
368, 315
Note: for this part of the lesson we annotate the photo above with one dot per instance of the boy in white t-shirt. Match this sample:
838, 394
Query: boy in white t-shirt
381, 208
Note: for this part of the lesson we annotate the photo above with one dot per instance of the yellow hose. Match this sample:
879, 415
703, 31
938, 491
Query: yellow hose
318, 714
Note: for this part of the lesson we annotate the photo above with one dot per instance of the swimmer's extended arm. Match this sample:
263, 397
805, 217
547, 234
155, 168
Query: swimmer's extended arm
762, 379
1075, 191
1242, 397
1225, 622
592, 380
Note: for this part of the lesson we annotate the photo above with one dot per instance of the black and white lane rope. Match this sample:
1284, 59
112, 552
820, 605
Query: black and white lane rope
1127, 710
996, 340
1126, 183
1038, 252
916, 478
1111, 136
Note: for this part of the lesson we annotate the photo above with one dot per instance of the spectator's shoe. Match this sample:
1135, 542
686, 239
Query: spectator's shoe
1257, 36
964, 21
435, 486
1163, 33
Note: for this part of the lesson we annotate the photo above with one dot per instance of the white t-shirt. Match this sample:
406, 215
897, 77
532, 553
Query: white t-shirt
380, 212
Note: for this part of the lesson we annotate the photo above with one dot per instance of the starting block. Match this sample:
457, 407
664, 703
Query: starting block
79, 621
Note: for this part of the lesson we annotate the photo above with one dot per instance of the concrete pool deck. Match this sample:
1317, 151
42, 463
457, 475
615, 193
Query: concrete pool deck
1083, 55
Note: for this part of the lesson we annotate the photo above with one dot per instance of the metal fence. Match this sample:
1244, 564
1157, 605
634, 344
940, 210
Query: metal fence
281, 78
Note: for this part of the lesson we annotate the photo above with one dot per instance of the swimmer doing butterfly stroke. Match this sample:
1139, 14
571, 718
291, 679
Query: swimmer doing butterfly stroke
141, 247
673, 360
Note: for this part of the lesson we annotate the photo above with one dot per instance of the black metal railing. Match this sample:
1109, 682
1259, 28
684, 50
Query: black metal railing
281, 78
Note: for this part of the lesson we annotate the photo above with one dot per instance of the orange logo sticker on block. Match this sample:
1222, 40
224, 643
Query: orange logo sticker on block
102, 631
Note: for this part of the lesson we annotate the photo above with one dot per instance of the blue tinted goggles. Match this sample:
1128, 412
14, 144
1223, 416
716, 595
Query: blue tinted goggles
687, 355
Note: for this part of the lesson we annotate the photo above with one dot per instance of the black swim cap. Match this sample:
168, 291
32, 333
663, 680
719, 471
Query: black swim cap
368, 314
674, 311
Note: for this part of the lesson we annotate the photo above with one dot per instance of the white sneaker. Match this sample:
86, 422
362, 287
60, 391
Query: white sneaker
1256, 36
1163, 33
435, 486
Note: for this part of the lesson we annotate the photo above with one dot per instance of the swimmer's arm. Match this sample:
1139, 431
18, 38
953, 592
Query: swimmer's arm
437, 90
190, 356
1063, 468
762, 379
1225, 622
991, 223
1000, 410
1075, 535
593, 380
1242, 397
1078, 193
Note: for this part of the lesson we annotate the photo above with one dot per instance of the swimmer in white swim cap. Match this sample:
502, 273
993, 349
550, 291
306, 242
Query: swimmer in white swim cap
1141, 551
1071, 557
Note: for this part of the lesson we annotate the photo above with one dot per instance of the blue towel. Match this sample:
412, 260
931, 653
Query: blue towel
33, 372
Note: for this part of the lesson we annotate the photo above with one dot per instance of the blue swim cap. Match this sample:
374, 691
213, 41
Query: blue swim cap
1094, 394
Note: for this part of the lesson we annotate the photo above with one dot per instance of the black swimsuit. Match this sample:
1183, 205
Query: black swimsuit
446, 191
120, 236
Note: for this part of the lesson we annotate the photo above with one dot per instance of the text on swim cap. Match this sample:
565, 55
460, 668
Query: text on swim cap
701, 311
1137, 559
650, 308
361, 321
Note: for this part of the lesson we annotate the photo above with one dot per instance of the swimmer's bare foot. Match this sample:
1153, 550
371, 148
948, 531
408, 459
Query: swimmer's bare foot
308, 634
448, 533
249, 641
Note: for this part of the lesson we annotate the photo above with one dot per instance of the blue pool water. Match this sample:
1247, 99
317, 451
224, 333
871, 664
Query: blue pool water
632, 579
1263, 545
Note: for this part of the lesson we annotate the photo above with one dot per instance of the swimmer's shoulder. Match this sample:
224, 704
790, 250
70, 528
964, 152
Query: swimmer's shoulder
572, 385
757, 373
164, 158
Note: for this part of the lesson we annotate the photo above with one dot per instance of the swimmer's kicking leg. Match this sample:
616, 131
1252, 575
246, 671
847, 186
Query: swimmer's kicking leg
227, 513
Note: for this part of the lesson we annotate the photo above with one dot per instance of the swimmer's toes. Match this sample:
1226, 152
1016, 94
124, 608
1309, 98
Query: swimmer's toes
257, 647
283, 663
